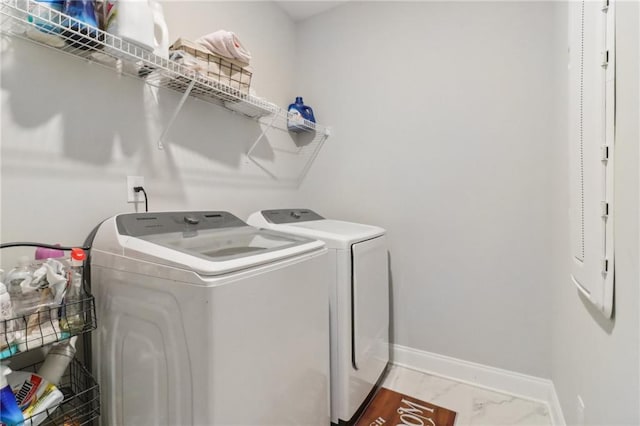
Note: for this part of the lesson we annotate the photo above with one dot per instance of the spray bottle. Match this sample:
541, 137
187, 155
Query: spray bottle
10, 413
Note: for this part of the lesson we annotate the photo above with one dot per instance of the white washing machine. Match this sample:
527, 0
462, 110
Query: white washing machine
358, 298
203, 320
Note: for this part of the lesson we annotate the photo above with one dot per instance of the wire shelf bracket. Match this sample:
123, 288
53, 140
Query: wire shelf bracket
307, 166
183, 99
255, 144
318, 141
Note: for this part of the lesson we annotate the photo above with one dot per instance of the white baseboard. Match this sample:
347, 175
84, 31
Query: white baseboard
492, 378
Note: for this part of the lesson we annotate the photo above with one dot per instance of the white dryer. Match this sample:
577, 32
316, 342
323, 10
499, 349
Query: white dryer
358, 299
204, 320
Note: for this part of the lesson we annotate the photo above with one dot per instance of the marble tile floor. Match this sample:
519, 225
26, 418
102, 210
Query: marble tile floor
473, 405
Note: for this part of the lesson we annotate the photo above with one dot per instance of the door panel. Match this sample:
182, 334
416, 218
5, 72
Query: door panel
370, 315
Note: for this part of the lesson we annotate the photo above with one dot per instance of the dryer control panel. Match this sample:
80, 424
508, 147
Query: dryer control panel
290, 215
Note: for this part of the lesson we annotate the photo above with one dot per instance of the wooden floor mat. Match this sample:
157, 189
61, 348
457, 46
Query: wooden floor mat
391, 408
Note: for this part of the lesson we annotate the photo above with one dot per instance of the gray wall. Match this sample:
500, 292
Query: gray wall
592, 357
443, 114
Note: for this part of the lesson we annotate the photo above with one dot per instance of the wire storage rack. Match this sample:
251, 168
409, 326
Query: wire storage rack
48, 324
81, 403
52, 303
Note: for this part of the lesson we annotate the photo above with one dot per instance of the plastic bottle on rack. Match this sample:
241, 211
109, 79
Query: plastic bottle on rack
19, 279
17, 275
81, 31
6, 314
43, 253
57, 360
47, 23
73, 320
299, 117
10, 413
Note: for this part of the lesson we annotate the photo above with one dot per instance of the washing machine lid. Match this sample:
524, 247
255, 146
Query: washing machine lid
209, 243
335, 233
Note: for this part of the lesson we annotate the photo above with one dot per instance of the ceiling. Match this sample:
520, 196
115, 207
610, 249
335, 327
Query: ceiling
299, 10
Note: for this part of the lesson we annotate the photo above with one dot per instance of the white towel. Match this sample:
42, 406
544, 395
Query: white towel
225, 43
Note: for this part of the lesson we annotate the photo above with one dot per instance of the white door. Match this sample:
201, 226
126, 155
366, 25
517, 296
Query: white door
591, 114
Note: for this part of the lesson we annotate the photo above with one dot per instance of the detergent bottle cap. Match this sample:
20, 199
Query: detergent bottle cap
78, 254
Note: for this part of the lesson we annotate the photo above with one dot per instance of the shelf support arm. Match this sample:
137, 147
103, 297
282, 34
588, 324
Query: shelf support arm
255, 144
305, 170
175, 114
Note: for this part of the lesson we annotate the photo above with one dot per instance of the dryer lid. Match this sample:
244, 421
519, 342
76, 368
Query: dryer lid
336, 233
209, 243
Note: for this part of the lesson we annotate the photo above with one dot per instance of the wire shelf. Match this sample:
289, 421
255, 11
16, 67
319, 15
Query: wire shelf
42, 25
39, 24
81, 403
48, 324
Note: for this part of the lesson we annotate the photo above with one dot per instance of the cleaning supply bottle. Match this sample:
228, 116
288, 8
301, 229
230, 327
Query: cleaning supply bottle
6, 317
298, 113
46, 27
57, 360
10, 413
35, 396
43, 253
161, 30
17, 275
74, 312
19, 279
82, 29
7, 323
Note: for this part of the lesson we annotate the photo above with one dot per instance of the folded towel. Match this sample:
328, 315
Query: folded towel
225, 43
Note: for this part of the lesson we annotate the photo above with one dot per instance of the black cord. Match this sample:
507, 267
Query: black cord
49, 246
138, 189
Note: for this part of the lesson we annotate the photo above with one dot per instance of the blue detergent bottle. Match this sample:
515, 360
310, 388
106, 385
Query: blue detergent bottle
82, 30
298, 113
10, 413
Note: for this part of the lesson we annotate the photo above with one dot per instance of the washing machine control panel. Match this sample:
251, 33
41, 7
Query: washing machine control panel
141, 224
290, 215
